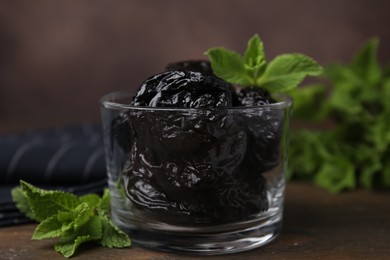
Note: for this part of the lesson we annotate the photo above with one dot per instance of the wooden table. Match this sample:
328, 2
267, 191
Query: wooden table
317, 225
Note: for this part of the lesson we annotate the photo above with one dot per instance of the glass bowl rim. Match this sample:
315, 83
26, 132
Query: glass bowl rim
108, 101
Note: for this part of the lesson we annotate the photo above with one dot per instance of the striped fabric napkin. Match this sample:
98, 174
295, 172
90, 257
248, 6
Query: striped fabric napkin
70, 158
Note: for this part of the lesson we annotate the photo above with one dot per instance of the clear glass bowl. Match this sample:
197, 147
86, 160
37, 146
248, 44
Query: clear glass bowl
199, 181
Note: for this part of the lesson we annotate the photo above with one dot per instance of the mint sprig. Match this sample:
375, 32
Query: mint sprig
355, 151
74, 220
283, 73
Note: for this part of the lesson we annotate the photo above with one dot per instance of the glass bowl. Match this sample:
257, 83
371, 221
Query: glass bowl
198, 181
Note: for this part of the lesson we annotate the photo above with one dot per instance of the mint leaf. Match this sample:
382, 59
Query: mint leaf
63, 222
67, 246
336, 175
91, 199
48, 228
74, 220
91, 231
254, 58
21, 202
81, 215
228, 65
379, 133
308, 98
367, 174
103, 206
365, 63
307, 151
286, 71
112, 235
44, 203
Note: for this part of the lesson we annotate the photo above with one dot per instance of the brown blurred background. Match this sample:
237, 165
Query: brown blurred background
57, 58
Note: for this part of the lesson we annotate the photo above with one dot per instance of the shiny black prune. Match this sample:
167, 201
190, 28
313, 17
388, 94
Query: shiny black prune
253, 96
205, 68
242, 198
182, 159
183, 89
202, 66
264, 135
121, 132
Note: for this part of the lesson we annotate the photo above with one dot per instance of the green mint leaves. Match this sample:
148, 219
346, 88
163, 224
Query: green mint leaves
74, 220
355, 151
283, 73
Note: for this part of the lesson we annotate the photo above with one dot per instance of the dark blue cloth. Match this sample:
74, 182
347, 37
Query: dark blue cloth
69, 158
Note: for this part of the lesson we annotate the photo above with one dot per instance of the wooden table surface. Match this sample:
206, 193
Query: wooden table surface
317, 225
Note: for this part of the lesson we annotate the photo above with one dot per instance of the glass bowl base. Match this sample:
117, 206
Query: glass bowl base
207, 243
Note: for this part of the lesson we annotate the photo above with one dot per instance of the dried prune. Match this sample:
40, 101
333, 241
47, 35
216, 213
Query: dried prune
205, 68
253, 96
121, 132
182, 159
183, 89
264, 135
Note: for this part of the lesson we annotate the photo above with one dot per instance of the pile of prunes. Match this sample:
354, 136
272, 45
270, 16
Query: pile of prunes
198, 160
